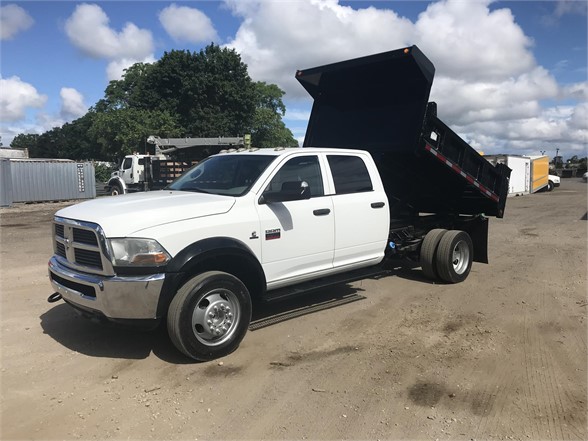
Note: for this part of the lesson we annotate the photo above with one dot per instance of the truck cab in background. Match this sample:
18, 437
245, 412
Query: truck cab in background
143, 172
130, 175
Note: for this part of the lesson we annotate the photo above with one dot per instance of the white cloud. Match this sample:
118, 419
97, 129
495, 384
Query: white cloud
187, 24
13, 19
116, 68
564, 7
72, 103
88, 29
499, 100
276, 38
16, 97
577, 91
297, 114
488, 84
466, 40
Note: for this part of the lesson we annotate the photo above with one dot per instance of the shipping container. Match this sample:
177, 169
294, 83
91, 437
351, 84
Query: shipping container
39, 180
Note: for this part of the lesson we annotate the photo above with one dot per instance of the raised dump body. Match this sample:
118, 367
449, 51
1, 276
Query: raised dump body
380, 103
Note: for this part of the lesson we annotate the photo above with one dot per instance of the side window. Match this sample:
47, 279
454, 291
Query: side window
302, 168
127, 163
350, 174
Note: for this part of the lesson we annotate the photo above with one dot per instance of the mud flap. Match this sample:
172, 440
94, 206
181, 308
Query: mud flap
477, 228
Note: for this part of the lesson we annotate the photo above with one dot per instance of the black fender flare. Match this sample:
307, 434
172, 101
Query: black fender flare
116, 180
200, 255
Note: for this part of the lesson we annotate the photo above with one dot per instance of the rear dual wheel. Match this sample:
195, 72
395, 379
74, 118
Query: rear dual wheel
428, 252
447, 255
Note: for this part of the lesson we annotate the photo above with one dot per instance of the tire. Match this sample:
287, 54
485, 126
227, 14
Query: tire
428, 252
115, 190
550, 186
209, 316
454, 256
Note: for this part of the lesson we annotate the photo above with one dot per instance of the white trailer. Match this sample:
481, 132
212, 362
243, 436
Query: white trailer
520, 178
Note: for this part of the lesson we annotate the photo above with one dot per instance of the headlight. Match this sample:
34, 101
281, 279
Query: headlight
137, 252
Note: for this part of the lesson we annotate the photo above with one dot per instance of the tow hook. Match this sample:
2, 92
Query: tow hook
55, 297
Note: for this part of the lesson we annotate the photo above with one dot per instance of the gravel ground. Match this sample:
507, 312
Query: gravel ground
501, 356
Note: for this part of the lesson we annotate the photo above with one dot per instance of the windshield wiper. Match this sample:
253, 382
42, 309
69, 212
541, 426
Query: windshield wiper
195, 190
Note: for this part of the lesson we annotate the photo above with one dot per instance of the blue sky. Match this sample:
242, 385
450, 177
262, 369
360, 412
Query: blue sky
511, 76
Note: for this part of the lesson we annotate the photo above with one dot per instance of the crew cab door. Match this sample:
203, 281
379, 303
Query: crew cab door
297, 236
126, 170
362, 216
132, 169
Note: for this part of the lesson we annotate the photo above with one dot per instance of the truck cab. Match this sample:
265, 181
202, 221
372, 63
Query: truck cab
138, 172
234, 229
130, 175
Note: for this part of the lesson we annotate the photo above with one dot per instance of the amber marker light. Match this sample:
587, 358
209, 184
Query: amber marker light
406, 51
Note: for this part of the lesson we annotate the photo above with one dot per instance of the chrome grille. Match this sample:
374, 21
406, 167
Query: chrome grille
88, 258
81, 246
85, 236
60, 249
59, 230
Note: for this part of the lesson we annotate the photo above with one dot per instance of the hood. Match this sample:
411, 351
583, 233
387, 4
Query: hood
120, 216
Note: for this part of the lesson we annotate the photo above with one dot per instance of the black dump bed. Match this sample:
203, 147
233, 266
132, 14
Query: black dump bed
380, 103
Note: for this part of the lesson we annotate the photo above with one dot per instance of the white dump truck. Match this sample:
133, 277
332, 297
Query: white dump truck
380, 176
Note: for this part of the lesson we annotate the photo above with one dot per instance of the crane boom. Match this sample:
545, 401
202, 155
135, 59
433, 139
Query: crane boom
168, 145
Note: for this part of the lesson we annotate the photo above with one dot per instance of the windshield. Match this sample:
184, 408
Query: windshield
228, 175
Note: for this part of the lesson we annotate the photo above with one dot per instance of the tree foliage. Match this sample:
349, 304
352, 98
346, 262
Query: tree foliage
124, 131
25, 141
268, 129
201, 94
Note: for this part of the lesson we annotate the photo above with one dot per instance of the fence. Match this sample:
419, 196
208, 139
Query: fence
38, 180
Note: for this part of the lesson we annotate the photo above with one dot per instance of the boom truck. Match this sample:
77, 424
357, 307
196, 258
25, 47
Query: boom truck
380, 176
142, 172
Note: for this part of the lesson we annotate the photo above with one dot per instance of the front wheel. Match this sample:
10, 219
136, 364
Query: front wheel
454, 256
115, 190
550, 186
209, 315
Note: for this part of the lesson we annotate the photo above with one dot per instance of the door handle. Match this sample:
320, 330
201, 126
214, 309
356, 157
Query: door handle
377, 204
321, 212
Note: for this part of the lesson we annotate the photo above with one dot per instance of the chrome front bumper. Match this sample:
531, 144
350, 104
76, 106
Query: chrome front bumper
133, 297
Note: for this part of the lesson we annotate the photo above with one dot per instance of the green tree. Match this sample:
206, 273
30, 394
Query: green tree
25, 141
52, 144
201, 94
268, 129
124, 131
78, 143
209, 92
129, 92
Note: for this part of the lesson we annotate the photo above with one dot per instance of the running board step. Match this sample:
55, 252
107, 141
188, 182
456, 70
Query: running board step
324, 282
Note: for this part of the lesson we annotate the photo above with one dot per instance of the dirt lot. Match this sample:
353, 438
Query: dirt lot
501, 356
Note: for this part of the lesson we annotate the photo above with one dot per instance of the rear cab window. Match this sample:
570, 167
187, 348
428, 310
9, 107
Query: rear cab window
350, 174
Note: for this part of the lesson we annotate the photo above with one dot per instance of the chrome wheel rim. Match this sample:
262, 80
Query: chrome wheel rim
215, 317
460, 257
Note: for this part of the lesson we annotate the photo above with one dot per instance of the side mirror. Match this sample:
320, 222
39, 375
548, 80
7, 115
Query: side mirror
290, 191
